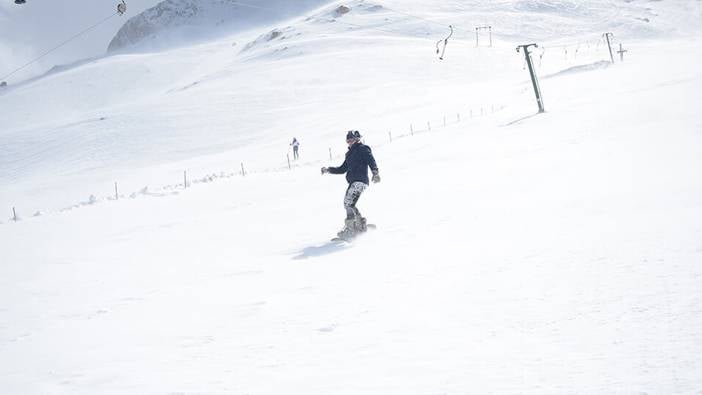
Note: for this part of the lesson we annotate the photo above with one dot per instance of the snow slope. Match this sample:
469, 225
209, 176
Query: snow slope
516, 253
137, 111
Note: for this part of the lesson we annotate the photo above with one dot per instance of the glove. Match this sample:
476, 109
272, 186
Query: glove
325, 170
376, 177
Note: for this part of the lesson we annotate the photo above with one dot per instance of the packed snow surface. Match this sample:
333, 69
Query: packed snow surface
164, 245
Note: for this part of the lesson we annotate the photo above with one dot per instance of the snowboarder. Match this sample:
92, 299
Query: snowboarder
296, 145
358, 159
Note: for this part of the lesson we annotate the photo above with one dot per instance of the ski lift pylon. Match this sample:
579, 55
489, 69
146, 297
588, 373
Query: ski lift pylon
445, 43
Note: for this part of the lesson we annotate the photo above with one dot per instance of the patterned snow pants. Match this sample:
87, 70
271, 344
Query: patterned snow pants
353, 192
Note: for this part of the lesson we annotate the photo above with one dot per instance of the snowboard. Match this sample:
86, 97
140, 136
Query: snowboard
349, 239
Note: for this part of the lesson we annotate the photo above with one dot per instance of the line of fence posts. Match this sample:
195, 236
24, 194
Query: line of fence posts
243, 170
607, 37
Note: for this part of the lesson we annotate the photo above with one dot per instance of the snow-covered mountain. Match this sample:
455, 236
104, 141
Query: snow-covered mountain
175, 22
164, 243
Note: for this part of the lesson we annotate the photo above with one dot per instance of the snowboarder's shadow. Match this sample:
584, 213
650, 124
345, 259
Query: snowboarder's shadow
324, 249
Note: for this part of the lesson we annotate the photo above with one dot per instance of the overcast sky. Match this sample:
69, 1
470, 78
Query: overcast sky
28, 30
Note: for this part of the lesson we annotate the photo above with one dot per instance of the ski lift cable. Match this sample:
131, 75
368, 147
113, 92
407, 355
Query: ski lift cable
426, 20
60, 45
581, 43
373, 28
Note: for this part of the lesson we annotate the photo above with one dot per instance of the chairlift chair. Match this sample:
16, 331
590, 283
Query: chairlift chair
122, 8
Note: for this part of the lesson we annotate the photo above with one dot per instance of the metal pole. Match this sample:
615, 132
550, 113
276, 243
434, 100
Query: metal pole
490, 30
477, 42
609, 45
14, 214
534, 81
621, 52
116, 194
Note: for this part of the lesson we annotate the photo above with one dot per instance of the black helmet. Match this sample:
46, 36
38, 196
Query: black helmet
353, 135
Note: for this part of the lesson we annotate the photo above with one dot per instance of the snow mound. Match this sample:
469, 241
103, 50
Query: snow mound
281, 41
339, 11
175, 22
271, 36
602, 64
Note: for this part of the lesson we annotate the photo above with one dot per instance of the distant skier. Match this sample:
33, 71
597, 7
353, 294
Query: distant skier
296, 146
358, 159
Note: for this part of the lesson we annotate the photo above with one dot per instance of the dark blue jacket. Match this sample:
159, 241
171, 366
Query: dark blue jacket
358, 159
